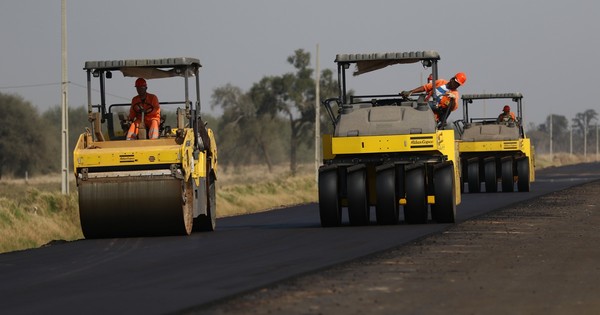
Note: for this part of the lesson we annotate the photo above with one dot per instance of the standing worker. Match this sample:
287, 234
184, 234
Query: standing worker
143, 105
506, 116
446, 93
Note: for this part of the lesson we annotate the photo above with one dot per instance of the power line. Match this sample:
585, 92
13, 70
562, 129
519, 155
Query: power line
29, 85
58, 83
96, 90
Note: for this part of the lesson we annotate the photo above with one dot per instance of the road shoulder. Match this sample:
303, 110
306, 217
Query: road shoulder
539, 257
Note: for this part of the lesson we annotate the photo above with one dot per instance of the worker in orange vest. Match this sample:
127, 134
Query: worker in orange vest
446, 93
506, 116
147, 104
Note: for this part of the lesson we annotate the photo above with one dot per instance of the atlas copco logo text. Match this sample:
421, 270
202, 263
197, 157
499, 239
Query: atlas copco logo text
421, 142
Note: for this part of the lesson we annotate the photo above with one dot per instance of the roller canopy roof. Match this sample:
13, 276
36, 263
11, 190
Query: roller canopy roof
491, 96
146, 68
374, 61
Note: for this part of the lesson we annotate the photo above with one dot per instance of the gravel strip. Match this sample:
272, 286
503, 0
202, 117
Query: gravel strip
541, 257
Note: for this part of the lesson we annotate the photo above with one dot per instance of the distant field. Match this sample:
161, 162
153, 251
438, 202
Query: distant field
560, 159
34, 212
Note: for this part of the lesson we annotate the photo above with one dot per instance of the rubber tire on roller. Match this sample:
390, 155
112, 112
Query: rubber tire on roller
444, 209
523, 181
415, 209
473, 177
508, 179
491, 181
358, 197
330, 206
387, 209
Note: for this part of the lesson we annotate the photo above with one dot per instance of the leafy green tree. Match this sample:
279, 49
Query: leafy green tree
584, 120
328, 88
560, 124
78, 121
292, 95
243, 128
560, 132
252, 121
537, 137
23, 139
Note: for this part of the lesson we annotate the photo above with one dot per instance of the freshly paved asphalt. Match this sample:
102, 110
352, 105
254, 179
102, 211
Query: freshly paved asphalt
169, 274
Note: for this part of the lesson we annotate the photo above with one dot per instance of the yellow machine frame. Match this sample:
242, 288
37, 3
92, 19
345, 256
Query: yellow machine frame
137, 187
441, 143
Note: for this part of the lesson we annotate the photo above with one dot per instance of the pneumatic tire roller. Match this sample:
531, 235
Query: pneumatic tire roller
386, 151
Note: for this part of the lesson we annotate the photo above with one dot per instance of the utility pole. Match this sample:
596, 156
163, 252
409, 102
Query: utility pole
585, 122
317, 117
571, 142
596, 141
64, 103
551, 138
484, 106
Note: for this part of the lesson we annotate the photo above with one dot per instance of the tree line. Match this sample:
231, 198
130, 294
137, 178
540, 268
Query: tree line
30, 142
566, 135
271, 123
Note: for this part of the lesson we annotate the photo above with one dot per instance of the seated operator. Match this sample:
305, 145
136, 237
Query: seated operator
506, 116
144, 105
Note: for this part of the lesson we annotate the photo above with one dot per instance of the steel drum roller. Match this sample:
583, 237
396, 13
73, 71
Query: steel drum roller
134, 206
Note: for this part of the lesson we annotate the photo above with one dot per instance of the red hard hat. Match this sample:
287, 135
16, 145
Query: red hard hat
506, 108
140, 82
461, 78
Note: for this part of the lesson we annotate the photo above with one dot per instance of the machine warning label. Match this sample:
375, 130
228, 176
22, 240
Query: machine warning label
511, 145
127, 158
421, 142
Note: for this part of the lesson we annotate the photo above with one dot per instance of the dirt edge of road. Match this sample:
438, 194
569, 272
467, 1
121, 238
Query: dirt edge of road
539, 257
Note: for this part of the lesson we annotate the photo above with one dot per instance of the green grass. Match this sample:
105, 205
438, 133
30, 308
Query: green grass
30, 217
249, 198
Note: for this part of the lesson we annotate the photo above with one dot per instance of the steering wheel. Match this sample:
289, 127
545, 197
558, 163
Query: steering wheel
139, 108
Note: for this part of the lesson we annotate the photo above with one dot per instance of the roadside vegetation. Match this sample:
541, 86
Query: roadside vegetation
265, 139
34, 213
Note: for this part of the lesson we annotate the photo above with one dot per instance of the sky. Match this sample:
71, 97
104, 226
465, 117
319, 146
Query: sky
546, 49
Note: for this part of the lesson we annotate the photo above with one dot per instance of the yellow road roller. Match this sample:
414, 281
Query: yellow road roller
495, 149
387, 150
145, 187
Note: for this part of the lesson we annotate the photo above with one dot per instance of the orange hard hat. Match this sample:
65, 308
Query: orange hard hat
140, 82
461, 78
506, 108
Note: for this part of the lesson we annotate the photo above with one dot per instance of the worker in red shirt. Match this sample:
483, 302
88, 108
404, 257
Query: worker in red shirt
446, 93
146, 105
506, 116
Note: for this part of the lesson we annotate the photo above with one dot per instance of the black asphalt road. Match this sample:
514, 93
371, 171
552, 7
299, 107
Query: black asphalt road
170, 274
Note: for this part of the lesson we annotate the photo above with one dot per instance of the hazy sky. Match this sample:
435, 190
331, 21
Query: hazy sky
548, 50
